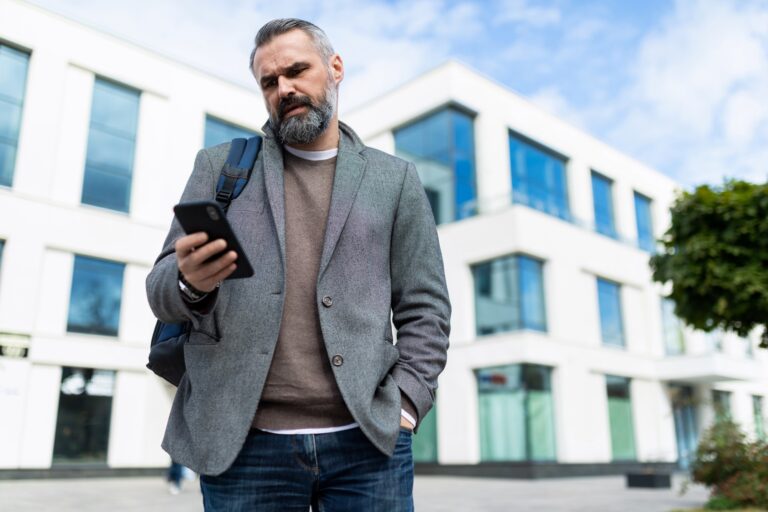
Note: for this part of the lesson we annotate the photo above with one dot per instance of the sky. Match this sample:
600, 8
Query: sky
679, 85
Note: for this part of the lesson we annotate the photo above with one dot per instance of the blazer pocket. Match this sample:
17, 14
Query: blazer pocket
202, 338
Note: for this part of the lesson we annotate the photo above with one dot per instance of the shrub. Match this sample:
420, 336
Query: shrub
734, 468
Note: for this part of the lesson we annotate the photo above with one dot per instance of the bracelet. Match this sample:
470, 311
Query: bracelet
190, 292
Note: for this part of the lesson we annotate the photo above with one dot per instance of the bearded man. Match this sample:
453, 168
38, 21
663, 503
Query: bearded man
295, 394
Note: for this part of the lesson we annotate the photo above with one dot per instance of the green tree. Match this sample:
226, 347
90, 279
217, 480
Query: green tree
716, 256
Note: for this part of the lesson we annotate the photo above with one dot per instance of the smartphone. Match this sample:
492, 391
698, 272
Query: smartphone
208, 216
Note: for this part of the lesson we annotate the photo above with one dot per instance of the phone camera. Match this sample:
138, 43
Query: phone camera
212, 213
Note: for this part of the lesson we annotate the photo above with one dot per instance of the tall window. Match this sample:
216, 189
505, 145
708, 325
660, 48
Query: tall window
602, 198
218, 131
538, 177
442, 146
111, 145
2, 246
509, 295
425, 442
83, 420
94, 304
721, 402
517, 419
757, 410
13, 79
645, 239
620, 418
609, 302
674, 342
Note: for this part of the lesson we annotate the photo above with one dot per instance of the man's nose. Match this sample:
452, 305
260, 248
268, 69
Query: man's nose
285, 87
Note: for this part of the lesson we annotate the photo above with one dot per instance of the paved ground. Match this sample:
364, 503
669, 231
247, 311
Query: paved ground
432, 494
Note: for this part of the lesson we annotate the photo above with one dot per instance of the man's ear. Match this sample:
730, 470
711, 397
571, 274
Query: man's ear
337, 68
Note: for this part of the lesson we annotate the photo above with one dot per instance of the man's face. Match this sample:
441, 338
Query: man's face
299, 87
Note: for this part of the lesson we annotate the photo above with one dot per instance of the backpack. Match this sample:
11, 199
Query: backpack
166, 352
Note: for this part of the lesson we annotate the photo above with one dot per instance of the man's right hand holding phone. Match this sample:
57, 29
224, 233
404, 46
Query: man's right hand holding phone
192, 252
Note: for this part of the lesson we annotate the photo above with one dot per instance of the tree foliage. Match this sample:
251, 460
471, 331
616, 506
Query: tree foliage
716, 256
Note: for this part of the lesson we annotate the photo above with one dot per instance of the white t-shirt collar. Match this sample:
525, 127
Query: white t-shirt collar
314, 156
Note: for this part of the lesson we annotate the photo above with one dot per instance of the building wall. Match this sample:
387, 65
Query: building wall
574, 256
44, 226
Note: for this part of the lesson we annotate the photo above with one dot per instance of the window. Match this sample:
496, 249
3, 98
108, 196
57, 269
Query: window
620, 418
674, 342
94, 304
442, 146
757, 410
13, 80
602, 199
609, 302
721, 403
517, 420
111, 145
509, 295
83, 420
538, 177
425, 441
645, 239
218, 131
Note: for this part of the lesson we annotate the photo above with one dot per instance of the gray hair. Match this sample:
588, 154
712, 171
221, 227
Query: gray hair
280, 26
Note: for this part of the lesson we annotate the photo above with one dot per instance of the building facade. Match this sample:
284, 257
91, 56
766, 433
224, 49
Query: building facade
563, 352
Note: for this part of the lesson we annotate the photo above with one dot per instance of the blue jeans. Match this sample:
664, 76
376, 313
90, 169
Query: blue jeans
336, 472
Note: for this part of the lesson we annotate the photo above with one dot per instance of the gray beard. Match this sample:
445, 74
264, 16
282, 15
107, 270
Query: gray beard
306, 128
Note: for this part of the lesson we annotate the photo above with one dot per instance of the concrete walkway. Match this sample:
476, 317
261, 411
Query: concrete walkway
432, 494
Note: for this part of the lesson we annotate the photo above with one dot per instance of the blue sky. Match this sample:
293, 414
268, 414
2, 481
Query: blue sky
680, 85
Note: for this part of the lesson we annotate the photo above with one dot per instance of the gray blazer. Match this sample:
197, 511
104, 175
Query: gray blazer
381, 256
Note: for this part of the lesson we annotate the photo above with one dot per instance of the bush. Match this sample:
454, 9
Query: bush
734, 468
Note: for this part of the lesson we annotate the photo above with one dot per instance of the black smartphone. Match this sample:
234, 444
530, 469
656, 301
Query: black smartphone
208, 216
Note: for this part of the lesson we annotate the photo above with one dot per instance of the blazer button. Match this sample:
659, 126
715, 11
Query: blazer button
337, 360
327, 301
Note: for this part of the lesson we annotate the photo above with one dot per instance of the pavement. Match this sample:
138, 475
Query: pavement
431, 494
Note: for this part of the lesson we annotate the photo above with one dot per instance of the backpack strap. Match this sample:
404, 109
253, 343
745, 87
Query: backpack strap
237, 169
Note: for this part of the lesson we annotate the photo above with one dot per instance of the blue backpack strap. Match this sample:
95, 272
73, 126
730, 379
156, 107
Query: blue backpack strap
237, 169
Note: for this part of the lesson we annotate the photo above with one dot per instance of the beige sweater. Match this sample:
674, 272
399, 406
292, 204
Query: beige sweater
300, 391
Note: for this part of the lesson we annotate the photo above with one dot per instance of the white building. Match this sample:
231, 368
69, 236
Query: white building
564, 358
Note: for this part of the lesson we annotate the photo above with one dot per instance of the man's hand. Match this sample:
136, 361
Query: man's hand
406, 424
191, 252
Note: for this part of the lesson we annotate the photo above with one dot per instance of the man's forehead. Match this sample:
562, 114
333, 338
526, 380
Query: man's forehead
284, 50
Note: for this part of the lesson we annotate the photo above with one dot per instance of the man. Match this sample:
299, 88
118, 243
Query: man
295, 394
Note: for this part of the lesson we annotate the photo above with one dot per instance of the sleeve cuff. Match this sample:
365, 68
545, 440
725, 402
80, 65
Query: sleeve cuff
408, 417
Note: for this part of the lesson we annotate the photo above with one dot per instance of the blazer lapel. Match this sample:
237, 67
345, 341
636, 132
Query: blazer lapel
350, 167
273, 181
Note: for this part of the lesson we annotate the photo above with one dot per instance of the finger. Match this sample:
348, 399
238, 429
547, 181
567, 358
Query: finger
187, 243
201, 254
205, 272
221, 275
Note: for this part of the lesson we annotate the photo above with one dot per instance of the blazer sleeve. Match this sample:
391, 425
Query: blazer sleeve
421, 309
163, 292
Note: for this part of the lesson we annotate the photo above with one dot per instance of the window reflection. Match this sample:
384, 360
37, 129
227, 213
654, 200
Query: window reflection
83, 420
609, 301
509, 295
111, 146
538, 177
516, 410
218, 131
442, 148
13, 79
94, 304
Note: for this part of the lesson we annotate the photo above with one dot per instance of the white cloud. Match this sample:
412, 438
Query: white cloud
696, 105
383, 43
693, 104
554, 102
522, 11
